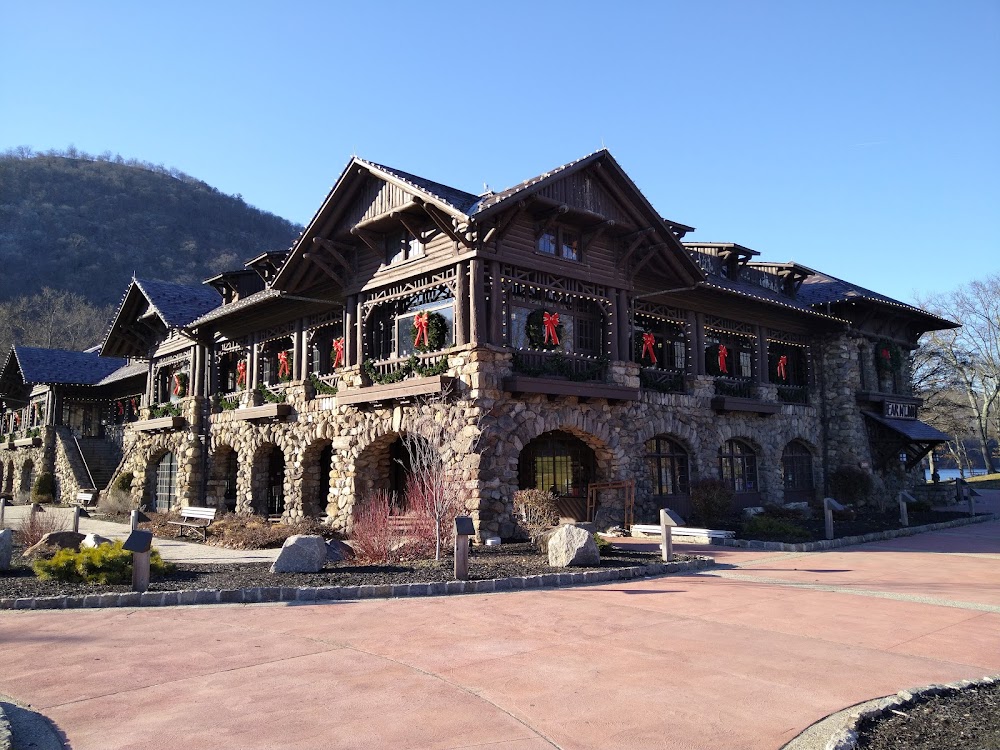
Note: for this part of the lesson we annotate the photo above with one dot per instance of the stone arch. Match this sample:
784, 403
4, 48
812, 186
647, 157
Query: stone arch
8, 481
665, 477
739, 465
27, 475
161, 481
317, 470
223, 477
384, 464
799, 469
561, 462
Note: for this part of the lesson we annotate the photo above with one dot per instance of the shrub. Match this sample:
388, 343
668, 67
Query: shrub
851, 485
124, 482
34, 526
44, 488
106, 564
711, 501
767, 528
603, 545
116, 502
376, 539
919, 506
780, 511
536, 511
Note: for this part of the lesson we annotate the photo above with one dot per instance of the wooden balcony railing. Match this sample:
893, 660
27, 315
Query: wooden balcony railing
793, 394
663, 381
736, 387
576, 367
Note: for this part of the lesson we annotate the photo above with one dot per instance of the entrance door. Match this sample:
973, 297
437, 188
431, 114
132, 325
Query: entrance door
166, 483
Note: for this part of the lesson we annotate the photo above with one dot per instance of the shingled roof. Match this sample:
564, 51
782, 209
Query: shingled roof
457, 199
177, 304
52, 366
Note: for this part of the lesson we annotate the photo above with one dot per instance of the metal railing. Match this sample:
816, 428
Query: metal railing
793, 394
736, 387
664, 381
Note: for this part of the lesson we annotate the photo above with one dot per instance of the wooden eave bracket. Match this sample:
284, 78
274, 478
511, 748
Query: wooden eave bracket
334, 251
595, 233
544, 221
371, 241
441, 221
324, 267
499, 230
636, 239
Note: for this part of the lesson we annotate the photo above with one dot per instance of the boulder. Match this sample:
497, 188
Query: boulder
55, 541
571, 545
753, 511
301, 553
6, 548
337, 551
94, 540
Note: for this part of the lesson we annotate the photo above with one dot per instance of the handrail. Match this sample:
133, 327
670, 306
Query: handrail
83, 458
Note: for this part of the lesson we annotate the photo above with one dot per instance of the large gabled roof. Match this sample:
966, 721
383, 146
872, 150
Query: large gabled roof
178, 304
457, 199
40, 366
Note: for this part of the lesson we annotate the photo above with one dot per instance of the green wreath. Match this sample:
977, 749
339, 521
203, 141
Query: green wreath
437, 331
534, 329
888, 357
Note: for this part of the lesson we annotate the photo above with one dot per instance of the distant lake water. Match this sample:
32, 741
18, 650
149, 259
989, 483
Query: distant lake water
947, 474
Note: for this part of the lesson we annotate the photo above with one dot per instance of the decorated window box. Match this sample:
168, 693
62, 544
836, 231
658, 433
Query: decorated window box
160, 424
401, 390
560, 365
416, 366
565, 387
264, 411
28, 442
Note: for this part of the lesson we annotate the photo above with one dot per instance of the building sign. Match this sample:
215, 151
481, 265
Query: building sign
898, 410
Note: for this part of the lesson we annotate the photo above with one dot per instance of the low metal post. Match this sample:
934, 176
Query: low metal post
3, 508
828, 517
76, 519
904, 516
134, 520
140, 571
666, 533
464, 528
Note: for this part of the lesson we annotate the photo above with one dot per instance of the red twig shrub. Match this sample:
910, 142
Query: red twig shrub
36, 525
376, 539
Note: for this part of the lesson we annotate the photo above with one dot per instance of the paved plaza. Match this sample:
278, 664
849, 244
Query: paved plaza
745, 656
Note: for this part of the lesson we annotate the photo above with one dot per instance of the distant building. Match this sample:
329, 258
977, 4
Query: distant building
562, 330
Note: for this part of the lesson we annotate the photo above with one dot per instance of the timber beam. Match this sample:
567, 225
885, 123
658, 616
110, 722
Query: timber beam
332, 249
325, 267
371, 241
441, 221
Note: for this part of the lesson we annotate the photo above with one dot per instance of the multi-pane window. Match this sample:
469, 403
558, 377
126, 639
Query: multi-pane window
405, 334
738, 466
556, 461
787, 364
796, 467
668, 466
561, 242
581, 327
402, 246
166, 483
730, 356
669, 345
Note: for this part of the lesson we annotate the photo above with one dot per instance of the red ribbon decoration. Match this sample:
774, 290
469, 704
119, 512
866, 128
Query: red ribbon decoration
338, 351
241, 373
17, 419
648, 346
886, 355
283, 368
723, 353
178, 388
121, 408
550, 321
782, 363
135, 406
421, 321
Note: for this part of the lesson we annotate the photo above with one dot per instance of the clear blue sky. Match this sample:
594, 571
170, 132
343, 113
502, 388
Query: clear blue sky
860, 138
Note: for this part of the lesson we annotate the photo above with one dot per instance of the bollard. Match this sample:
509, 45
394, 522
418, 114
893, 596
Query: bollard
904, 516
464, 528
134, 520
140, 544
830, 505
666, 533
76, 519
972, 500
3, 508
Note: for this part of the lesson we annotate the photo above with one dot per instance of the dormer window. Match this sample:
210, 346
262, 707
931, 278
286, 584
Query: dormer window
561, 242
402, 246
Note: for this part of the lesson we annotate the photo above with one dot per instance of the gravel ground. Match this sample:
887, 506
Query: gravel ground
484, 563
965, 720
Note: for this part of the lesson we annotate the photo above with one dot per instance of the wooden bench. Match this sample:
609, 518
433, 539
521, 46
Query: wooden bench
681, 531
195, 518
86, 498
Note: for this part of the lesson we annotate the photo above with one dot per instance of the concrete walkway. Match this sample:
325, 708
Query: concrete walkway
743, 657
172, 550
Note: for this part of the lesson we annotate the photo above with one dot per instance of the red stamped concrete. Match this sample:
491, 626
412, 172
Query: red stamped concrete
744, 657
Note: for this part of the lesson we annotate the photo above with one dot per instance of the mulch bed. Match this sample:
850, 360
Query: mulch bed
966, 720
484, 563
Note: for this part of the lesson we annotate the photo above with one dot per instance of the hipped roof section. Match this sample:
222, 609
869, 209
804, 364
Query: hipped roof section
30, 365
149, 310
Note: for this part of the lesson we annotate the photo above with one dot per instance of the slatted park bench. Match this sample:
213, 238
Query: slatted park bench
195, 518
86, 498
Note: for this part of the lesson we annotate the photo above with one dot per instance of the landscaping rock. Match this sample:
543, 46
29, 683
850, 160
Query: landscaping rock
336, 551
55, 540
571, 545
301, 553
754, 511
94, 540
6, 548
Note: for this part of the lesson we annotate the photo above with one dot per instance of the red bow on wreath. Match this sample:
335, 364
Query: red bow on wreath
178, 385
338, 351
422, 321
17, 418
886, 355
649, 346
241, 373
723, 353
782, 363
135, 405
551, 321
284, 370
121, 408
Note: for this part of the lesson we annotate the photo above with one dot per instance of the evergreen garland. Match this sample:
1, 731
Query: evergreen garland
407, 368
534, 329
269, 396
321, 386
437, 331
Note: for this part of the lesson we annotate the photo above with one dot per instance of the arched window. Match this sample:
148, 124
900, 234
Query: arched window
166, 483
557, 461
27, 475
668, 466
738, 466
276, 483
797, 470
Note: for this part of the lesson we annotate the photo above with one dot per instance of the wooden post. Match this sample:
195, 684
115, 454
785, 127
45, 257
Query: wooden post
698, 343
350, 341
359, 330
462, 305
763, 374
969, 493
461, 557
904, 517
667, 535
623, 327
140, 571
477, 318
76, 519
3, 508
830, 505
496, 305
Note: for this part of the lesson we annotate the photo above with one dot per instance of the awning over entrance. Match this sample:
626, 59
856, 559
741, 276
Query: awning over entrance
891, 437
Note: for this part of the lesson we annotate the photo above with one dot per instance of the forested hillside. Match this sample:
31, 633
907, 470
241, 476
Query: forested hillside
82, 225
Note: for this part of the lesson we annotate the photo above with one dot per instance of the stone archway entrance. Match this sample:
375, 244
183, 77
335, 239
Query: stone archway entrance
269, 481
222, 482
27, 475
164, 488
317, 463
563, 464
8, 480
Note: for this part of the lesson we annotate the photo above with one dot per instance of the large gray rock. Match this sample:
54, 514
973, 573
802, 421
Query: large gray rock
337, 551
55, 541
94, 540
6, 548
302, 553
571, 545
